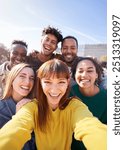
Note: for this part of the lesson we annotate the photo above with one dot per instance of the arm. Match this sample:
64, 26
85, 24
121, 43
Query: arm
18, 130
92, 133
89, 129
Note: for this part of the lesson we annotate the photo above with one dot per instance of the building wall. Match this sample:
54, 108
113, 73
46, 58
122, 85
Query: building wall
95, 50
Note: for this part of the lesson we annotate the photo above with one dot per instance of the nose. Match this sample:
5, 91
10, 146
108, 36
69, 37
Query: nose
84, 74
48, 42
54, 88
19, 57
68, 50
27, 80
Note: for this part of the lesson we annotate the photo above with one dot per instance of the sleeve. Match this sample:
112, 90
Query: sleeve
89, 129
17, 131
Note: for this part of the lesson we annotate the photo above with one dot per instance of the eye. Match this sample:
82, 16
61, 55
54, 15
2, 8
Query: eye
23, 55
22, 76
62, 82
15, 53
53, 42
64, 48
47, 82
80, 71
90, 71
32, 78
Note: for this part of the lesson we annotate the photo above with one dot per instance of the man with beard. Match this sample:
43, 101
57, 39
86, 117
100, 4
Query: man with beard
69, 50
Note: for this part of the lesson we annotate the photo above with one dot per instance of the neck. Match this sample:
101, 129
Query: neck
17, 98
44, 58
91, 91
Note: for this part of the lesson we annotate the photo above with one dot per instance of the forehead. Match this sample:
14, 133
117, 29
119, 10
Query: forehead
85, 63
69, 41
27, 71
50, 36
19, 47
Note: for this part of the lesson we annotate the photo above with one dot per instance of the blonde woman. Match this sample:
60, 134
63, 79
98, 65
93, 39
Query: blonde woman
19, 85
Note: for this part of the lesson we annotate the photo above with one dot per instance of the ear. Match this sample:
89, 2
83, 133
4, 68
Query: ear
69, 80
96, 75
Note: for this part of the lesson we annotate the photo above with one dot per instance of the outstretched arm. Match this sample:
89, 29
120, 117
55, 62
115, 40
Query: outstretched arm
17, 131
92, 132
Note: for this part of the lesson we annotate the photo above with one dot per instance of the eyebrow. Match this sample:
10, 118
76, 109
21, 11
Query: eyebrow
26, 74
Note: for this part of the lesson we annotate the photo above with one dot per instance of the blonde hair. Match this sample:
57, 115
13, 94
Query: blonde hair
11, 76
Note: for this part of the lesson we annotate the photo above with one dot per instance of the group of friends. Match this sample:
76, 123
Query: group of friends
52, 101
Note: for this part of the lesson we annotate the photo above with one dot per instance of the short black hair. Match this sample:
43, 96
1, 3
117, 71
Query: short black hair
19, 42
69, 37
55, 31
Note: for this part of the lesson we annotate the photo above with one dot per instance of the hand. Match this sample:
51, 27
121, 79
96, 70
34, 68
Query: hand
33, 53
22, 103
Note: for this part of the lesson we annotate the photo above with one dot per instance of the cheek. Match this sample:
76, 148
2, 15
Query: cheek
32, 84
45, 89
77, 76
23, 58
11, 57
64, 89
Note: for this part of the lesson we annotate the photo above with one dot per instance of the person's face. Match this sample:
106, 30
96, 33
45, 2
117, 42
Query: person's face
54, 88
18, 54
23, 83
69, 49
48, 44
85, 75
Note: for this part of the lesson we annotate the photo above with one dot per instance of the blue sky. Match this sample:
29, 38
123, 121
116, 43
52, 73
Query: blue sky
25, 19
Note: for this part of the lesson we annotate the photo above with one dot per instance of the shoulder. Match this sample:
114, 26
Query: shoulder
75, 86
74, 89
3, 67
78, 109
32, 105
5, 103
103, 92
2, 105
75, 103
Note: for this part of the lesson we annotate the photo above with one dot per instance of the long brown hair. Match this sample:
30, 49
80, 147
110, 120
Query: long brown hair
50, 68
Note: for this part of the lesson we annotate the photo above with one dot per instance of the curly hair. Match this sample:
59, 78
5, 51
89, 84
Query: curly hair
51, 30
97, 65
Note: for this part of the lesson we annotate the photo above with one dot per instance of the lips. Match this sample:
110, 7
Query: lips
25, 88
84, 81
69, 56
54, 95
47, 48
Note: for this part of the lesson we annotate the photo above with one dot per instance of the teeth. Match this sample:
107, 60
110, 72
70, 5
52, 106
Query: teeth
84, 81
47, 48
69, 56
54, 95
24, 87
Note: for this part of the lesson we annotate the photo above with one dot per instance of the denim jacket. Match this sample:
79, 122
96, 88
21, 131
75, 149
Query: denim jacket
4, 70
7, 110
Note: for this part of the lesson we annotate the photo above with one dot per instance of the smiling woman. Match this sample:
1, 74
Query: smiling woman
19, 85
54, 116
87, 74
